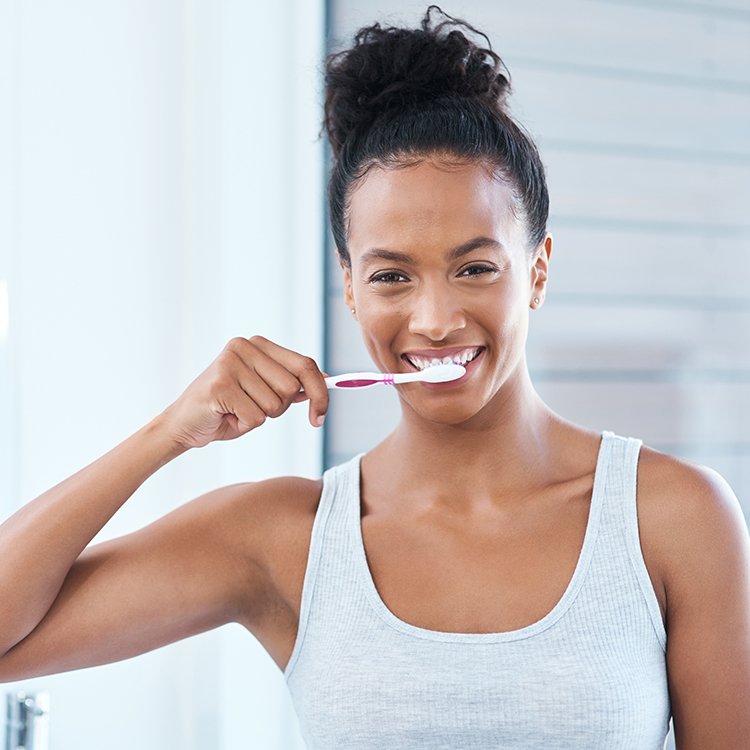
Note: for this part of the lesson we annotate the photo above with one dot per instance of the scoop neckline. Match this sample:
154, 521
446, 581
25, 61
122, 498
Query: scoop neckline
567, 598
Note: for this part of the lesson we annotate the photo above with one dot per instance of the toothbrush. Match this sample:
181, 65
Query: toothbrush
433, 374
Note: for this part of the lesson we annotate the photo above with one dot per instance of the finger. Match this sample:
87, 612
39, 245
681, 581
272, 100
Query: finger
307, 372
266, 382
316, 390
249, 414
283, 382
258, 391
302, 396
262, 357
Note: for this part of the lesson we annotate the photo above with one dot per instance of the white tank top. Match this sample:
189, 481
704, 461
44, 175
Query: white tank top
590, 675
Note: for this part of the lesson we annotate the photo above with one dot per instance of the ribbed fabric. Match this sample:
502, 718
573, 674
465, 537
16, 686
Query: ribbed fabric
591, 674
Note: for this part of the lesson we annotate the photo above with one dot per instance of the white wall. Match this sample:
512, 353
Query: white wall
160, 192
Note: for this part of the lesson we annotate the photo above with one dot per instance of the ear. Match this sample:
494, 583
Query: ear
348, 292
540, 268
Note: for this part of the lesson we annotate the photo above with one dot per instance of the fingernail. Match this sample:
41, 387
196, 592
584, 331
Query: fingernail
319, 421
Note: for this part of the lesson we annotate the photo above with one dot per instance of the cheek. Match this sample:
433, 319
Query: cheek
498, 308
380, 330
379, 326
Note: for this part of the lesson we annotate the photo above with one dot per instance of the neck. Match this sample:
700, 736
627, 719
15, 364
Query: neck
504, 451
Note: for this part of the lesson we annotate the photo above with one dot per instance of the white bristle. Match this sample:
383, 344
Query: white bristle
442, 373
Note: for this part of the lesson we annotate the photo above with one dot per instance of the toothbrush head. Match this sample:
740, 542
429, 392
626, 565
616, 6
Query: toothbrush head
442, 373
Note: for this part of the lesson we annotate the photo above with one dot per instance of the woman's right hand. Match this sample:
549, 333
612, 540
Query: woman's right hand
250, 380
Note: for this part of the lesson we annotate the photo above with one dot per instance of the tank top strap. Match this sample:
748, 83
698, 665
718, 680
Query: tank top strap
329, 559
620, 537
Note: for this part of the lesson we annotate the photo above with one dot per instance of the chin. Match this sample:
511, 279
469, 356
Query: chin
449, 412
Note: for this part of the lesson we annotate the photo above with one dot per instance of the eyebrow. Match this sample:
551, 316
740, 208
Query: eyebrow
453, 254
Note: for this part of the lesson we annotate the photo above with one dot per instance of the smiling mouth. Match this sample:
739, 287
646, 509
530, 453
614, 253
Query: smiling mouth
459, 358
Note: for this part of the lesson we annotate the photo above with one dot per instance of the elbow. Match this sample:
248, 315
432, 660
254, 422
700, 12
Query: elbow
10, 671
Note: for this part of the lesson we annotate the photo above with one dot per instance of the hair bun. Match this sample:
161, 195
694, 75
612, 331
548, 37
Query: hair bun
391, 68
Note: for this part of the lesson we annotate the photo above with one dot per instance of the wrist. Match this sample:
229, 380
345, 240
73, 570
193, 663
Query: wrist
166, 444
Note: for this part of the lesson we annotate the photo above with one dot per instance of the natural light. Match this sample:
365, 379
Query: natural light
4, 310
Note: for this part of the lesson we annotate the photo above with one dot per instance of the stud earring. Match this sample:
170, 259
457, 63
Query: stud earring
354, 312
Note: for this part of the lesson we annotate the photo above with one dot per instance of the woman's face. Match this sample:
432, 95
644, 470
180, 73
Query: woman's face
440, 268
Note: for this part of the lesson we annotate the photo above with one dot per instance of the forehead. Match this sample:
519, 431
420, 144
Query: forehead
430, 203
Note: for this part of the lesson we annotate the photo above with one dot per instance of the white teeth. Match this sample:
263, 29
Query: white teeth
460, 358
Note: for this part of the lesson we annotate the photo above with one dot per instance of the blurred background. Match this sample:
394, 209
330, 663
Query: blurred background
162, 190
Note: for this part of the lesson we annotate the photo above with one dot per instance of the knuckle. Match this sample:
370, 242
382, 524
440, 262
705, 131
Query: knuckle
307, 364
289, 390
257, 340
236, 343
276, 408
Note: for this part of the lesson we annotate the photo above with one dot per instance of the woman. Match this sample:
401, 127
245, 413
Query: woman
490, 575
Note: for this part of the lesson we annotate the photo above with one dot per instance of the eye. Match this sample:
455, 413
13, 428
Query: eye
477, 269
387, 277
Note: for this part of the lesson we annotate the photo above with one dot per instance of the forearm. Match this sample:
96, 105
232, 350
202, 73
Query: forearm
40, 542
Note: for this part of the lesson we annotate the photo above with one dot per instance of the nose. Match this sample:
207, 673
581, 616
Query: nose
436, 313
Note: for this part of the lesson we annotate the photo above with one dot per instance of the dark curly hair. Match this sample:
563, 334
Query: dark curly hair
398, 95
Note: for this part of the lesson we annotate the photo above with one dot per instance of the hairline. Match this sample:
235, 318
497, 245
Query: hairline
442, 159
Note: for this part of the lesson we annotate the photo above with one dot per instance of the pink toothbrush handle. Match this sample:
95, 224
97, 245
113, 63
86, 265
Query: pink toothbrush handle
387, 379
356, 383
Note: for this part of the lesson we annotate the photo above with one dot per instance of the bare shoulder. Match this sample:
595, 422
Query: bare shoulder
271, 499
692, 525
267, 516
674, 485
690, 521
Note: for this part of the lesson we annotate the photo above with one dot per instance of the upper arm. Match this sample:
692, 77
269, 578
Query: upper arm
707, 581
190, 571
